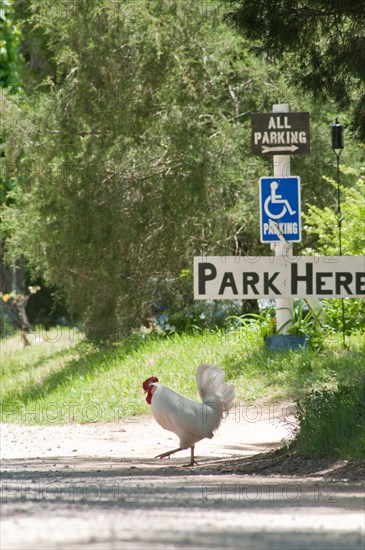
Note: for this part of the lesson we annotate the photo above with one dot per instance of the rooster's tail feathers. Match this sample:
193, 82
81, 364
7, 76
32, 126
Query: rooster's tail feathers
227, 397
210, 382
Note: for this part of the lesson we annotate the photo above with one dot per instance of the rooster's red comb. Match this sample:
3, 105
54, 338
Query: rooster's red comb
148, 383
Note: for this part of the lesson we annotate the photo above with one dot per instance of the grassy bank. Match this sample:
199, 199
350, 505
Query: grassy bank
61, 378
332, 422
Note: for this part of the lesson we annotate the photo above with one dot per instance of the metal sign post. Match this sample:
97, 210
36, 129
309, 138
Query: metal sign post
284, 306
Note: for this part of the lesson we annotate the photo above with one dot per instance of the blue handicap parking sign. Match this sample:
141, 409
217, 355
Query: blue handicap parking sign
280, 209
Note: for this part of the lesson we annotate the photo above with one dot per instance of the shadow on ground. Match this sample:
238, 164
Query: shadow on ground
274, 463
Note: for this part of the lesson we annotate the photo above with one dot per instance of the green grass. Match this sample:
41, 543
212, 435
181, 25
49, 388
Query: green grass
65, 379
332, 423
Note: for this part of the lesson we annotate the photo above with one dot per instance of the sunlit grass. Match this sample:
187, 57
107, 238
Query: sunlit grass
62, 378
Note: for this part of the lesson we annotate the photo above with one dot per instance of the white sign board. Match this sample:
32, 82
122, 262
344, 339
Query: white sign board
280, 205
239, 277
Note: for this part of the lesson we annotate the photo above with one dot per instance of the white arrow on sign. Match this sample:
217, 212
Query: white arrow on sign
291, 148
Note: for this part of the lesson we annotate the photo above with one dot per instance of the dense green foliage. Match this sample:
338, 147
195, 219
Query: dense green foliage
130, 152
322, 228
129, 160
322, 42
10, 40
322, 224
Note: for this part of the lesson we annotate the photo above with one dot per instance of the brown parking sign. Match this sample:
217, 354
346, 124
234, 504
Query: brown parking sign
280, 133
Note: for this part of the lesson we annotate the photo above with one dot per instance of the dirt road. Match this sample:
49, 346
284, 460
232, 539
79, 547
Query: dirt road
97, 486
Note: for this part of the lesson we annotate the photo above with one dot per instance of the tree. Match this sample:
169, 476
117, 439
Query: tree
321, 44
10, 38
322, 225
13, 294
130, 159
132, 154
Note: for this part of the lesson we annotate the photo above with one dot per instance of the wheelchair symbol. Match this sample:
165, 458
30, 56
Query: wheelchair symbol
274, 198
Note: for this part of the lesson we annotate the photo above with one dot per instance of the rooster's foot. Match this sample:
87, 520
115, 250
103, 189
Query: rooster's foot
163, 455
194, 463
168, 453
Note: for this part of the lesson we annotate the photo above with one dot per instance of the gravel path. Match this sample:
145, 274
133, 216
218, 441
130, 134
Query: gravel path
97, 486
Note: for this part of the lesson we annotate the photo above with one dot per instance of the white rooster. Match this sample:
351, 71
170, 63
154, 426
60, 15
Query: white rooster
189, 420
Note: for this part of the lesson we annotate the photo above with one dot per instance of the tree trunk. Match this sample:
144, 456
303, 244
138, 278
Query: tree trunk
13, 294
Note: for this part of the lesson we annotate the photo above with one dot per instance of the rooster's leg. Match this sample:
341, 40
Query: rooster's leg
169, 453
192, 460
